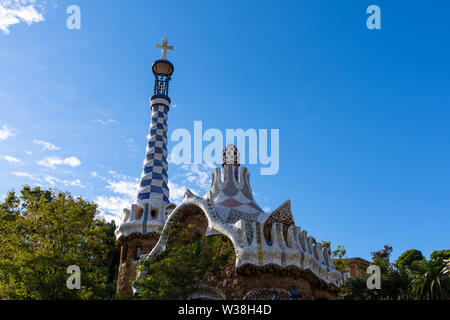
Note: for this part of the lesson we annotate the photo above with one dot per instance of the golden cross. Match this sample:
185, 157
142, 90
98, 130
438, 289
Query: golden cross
164, 48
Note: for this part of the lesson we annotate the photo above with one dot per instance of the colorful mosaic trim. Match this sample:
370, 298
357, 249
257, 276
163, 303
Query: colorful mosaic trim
302, 259
280, 243
240, 237
302, 254
144, 223
210, 209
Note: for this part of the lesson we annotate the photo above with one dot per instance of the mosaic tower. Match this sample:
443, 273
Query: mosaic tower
153, 190
138, 232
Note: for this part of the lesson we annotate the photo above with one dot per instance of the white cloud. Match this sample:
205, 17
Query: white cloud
124, 191
46, 145
51, 180
6, 132
200, 174
109, 121
127, 188
112, 206
177, 192
11, 160
26, 175
16, 11
52, 162
74, 183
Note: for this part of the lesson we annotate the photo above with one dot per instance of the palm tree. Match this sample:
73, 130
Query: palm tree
430, 279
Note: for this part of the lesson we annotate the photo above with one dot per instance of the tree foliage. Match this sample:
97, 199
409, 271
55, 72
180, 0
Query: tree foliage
429, 280
394, 283
185, 263
383, 254
411, 277
442, 254
407, 258
42, 233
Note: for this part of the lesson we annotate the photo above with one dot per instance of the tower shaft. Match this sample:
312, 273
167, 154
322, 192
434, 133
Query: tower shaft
153, 188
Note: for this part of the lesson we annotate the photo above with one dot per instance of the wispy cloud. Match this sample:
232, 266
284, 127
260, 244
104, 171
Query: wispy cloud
10, 159
51, 180
196, 178
124, 191
130, 147
109, 121
52, 162
6, 132
46, 145
15, 11
177, 191
27, 175
200, 174
112, 206
74, 183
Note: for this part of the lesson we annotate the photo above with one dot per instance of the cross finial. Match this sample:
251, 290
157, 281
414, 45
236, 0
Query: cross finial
164, 48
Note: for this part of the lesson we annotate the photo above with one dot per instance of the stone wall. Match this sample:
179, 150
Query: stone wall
242, 281
128, 261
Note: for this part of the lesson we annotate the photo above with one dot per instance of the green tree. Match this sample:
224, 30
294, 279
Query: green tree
415, 278
430, 282
394, 283
184, 264
442, 254
42, 233
338, 256
383, 254
407, 258
355, 288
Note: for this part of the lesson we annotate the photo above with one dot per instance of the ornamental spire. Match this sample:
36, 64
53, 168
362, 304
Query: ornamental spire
153, 193
164, 47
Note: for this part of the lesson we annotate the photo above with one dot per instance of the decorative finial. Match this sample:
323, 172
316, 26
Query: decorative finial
164, 48
231, 155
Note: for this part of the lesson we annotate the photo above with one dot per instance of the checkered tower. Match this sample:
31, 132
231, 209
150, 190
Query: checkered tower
139, 231
153, 190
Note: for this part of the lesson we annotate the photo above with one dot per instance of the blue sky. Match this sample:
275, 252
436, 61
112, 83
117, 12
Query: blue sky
363, 114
